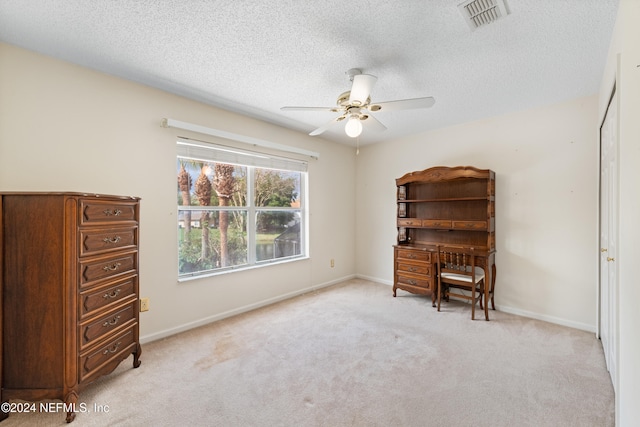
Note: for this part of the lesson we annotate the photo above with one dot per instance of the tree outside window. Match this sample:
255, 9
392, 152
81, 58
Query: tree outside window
234, 216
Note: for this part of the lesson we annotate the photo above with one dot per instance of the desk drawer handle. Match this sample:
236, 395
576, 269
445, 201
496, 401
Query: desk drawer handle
113, 348
114, 239
111, 322
115, 212
112, 294
112, 267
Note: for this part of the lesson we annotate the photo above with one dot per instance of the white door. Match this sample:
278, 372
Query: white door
608, 236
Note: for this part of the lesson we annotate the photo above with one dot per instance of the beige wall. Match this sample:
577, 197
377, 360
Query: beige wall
546, 195
67, 128
623, 68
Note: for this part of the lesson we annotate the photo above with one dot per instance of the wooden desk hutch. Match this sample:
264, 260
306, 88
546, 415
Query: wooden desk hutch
453, 206
68, 293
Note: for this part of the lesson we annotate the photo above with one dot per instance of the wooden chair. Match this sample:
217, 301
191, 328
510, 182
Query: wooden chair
458, 276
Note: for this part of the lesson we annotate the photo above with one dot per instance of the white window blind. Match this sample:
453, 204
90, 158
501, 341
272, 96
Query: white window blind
205, 151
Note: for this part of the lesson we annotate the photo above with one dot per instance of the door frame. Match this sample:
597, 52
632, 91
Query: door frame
612, 351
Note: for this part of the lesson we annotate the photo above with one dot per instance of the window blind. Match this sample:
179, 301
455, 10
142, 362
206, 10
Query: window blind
205, 151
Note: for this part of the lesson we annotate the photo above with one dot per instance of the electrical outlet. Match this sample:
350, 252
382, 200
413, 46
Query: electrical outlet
144, 304
333, 264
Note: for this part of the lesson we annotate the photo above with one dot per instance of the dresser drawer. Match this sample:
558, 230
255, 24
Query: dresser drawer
96, 298
470, 225
101, 240
414, 255
418, 269
92, 269
109, 353
96, 211
425, 283
96, 329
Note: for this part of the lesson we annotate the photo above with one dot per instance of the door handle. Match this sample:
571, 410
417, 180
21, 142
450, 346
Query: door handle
603, 250
610, 259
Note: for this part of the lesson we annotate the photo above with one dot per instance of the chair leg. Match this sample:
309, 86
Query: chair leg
439, 292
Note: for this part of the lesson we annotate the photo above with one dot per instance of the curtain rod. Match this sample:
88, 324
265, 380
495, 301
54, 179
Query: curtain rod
171, 123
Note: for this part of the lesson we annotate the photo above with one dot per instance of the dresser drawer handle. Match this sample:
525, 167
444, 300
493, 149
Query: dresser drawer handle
412, 256
112, 294
413, 269
112, 267
115, 212
412, 282
113, 348
111, 322
114, 239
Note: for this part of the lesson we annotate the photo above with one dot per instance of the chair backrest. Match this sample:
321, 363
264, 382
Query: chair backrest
457, 264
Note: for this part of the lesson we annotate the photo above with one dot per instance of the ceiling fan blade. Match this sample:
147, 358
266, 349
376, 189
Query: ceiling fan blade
326, 126
331, 109
372, 123
361, 88
404, 104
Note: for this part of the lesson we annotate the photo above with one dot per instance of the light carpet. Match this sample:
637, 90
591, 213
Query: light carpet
352, 355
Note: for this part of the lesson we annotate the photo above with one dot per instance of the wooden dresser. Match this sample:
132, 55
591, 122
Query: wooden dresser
453, 206
69, 293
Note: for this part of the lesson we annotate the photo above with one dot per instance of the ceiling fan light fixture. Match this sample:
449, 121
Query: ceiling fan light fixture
353, 128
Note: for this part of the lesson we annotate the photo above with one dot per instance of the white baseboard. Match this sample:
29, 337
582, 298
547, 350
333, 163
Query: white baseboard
516, 311
550, 319
185, 327
375, 279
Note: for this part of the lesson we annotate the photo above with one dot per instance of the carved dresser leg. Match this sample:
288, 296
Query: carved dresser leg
136, 356
71, 401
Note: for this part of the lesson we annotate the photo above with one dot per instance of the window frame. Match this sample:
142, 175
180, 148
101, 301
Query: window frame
259, 160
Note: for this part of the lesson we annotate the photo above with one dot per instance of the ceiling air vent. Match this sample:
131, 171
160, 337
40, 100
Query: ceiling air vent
482, 12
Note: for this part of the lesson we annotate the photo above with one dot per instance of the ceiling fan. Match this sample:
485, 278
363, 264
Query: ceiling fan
355, 106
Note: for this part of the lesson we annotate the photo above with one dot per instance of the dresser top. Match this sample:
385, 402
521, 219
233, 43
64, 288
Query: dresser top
66, 193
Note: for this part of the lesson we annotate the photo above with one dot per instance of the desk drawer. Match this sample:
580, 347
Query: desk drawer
409, 222
415, 255
469, 225
418, 269
426, 282
436, 223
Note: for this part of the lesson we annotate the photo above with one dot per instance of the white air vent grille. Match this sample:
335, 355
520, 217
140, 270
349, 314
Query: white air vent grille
482, 12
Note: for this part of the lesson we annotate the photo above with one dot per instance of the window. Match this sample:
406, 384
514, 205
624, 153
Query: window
237, 209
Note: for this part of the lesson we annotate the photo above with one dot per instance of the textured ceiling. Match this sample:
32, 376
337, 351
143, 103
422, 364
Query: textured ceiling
253, 56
